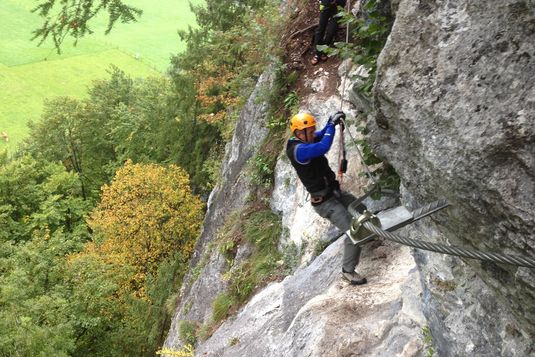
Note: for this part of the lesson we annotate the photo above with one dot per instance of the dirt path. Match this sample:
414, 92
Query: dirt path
298, 43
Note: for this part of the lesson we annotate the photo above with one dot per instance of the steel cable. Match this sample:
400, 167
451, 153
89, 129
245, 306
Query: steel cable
442, 248
453, 250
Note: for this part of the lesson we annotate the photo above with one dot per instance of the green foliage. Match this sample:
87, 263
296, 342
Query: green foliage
367, 153
39, 198
291, 256
196, 271
370, 36
291, 102
123, 119
71, 17
240, 42
99, 320
320, 246
282, 85
36, 298
388, 178
385, 174
78, 132
225, 55
262, 229
223, 15
67, 302
221, 306
187, 330
262, 169
205, 332
428, 341
230, 236
228, 248
162, 289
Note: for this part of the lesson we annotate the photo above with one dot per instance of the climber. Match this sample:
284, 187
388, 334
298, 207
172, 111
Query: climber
328, 24
306, 151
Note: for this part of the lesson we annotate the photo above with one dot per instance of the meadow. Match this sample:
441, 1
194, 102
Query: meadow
30, 74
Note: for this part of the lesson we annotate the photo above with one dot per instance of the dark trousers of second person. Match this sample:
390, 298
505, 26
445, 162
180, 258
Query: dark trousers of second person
327, 26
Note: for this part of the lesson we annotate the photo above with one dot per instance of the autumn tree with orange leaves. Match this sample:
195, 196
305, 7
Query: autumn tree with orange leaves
146, 215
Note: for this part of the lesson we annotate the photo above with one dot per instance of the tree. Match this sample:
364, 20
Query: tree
89, 136
143, 120
146, 215
36, 316
97, 316
72, 17
144, 233
38, 197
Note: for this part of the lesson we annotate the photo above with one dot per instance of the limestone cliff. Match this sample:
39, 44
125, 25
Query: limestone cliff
453, 112
455, 106
312, 311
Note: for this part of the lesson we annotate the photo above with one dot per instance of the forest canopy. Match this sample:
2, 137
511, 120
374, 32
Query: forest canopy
101, 206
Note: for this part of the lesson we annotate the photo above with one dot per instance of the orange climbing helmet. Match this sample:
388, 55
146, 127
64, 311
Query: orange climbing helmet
301, 121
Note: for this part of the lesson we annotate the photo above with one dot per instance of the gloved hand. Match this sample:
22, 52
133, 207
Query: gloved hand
337, 118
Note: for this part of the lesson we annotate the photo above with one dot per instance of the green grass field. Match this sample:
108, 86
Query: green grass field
30, 74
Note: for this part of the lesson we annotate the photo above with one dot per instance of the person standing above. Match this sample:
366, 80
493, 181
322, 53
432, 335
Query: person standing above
327, 27
306, 151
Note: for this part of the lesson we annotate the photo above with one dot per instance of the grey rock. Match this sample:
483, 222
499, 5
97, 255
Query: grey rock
455, 91
197, 294
315, 313
386, 201
354, 78
312, 312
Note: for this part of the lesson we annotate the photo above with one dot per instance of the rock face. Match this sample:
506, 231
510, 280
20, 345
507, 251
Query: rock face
454, 109
312, 312
455, 116
204, 280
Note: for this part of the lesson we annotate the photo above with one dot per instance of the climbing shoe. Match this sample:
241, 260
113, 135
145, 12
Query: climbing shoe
315, 60
354, 278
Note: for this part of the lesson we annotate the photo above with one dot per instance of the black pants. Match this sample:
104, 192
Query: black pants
326, 28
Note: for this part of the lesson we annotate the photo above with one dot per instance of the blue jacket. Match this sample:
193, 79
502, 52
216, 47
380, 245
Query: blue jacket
304, 152
310, 162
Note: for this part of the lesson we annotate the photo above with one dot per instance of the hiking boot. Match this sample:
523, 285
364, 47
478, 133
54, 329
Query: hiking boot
354, 278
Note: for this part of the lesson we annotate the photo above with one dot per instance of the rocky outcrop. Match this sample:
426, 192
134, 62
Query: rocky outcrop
455, 114
204, 281
312, 312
